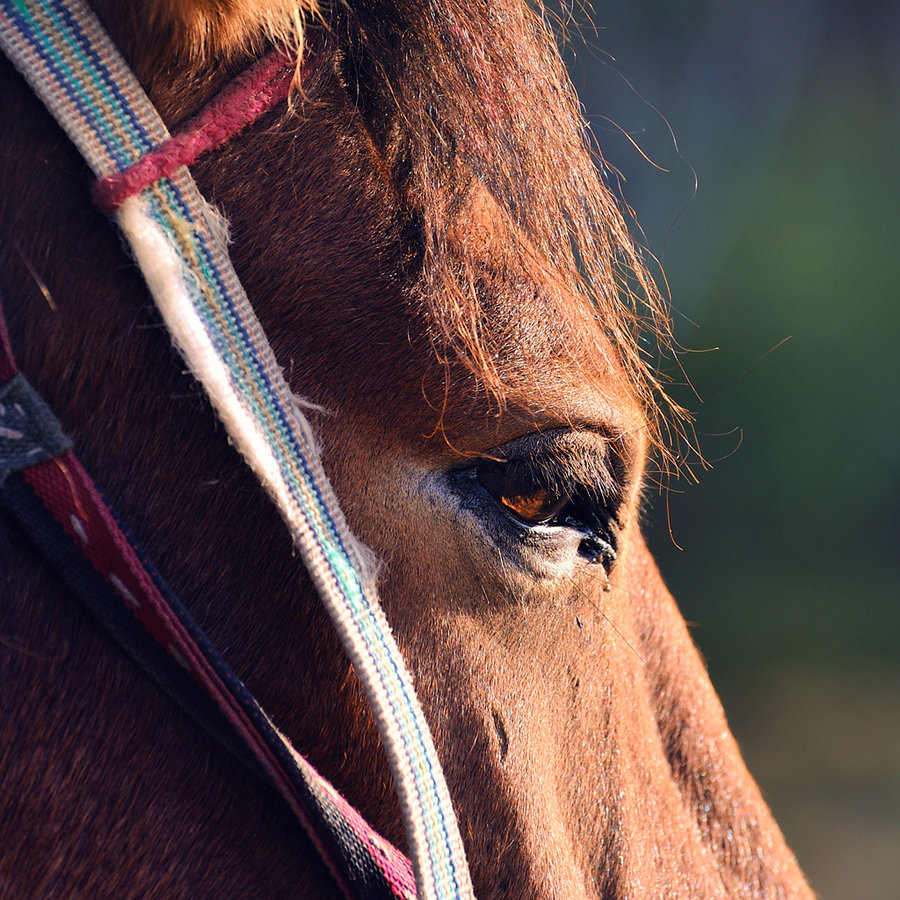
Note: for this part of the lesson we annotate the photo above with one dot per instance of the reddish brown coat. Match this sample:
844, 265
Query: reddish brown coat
404, 238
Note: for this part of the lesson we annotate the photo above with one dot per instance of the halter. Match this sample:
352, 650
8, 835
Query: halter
70, 63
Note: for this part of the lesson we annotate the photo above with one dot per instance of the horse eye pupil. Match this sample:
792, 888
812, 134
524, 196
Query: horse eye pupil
536, 507
514, 487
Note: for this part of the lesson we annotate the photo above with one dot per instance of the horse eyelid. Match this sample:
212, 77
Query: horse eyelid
511, 483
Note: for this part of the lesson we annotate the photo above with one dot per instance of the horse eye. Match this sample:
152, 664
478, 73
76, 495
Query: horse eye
514, 485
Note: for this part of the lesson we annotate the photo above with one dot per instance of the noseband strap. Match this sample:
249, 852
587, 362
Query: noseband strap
63, 52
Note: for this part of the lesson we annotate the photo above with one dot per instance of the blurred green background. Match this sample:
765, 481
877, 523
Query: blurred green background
784, 271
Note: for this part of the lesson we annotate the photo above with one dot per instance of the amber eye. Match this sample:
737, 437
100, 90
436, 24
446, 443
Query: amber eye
514, 485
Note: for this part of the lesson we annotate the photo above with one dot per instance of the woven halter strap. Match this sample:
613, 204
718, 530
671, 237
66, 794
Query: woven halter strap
70, 63
47, 491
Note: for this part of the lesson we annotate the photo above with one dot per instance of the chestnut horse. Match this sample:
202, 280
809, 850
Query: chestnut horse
442, 272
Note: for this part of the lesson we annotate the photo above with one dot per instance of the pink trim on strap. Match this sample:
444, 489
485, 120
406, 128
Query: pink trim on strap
68, 492
242, 102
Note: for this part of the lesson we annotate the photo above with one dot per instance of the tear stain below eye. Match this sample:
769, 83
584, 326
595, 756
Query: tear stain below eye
502, 737
595, 550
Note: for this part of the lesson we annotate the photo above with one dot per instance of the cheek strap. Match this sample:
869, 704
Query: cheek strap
71, 64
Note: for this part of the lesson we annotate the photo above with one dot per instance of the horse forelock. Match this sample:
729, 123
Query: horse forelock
470, 97
197, 28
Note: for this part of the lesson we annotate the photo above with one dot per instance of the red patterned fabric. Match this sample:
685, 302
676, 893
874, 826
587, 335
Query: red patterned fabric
236, 107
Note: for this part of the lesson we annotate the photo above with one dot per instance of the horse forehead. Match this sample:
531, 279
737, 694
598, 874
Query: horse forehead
550, 374
553, 362
347, 302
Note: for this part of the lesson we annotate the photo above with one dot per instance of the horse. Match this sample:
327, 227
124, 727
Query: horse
452, 290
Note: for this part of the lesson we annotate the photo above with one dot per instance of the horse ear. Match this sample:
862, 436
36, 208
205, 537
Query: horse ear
201, 28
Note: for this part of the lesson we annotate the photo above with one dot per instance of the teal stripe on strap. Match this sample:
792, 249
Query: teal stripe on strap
62, 50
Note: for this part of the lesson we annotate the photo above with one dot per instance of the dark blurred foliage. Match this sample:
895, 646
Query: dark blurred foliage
784, 272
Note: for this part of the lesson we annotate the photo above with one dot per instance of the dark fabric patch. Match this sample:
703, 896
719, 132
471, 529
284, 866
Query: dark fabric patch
29, 432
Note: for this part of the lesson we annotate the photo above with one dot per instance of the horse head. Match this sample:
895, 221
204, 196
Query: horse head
453, 292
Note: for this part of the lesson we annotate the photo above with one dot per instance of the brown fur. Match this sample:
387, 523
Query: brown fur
214, 28
420, 241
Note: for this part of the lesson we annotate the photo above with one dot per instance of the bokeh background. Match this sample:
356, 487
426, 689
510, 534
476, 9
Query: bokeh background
784, 271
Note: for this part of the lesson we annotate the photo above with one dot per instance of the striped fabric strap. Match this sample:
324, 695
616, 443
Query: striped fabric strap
113, 578
63, 52
46, 489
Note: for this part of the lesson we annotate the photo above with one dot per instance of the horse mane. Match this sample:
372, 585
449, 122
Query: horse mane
463, 94
463, 91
